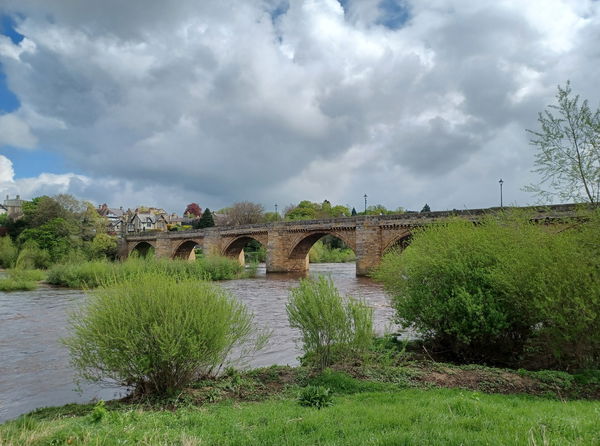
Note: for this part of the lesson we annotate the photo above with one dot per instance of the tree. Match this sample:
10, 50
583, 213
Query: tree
244, 213
104, 245
306, 210
426, 208
206, 221
354, 212
568, 149
193, 209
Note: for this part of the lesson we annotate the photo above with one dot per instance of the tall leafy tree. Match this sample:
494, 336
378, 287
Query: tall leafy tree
568, 149
193, 209
206, 221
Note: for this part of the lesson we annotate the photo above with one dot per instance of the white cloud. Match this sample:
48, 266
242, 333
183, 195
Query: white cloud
7, 173
15, 132
188, 101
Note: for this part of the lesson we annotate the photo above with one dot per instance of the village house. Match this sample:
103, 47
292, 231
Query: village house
13, 207
151, 219
114, 217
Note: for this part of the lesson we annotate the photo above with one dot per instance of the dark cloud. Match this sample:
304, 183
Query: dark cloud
275, 101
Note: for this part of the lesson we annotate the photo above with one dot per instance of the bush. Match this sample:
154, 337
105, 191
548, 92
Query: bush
8, 252
501, 290
155, 333
31, 257
330, 328
315, 396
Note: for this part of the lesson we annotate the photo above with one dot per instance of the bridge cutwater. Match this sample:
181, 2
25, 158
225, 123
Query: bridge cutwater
288, 242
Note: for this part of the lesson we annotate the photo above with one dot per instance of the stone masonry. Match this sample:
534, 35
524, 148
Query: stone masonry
288, 243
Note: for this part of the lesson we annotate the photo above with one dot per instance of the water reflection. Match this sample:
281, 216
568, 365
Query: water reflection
34, 366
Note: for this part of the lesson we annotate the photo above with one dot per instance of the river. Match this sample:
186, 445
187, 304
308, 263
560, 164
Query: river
34, 365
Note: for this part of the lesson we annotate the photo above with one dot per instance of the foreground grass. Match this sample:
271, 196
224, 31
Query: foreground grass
404, 416
91, 274
21, 280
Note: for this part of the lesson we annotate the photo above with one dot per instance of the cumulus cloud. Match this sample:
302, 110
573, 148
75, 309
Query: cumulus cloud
224, 101
15, 132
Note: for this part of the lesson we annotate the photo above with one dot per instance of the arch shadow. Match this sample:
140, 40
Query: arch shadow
143, 249
186, 250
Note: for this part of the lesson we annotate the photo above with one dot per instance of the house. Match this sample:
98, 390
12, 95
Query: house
134, 221
114, 217
13, 207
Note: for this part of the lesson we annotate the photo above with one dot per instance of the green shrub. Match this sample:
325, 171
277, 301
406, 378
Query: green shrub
103, 246
502, 290
330, 328
8, 252
98, 412
156, 333
315, 396
31, 257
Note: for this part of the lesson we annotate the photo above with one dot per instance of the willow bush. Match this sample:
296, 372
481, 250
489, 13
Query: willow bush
502, 291
331, 328
156, 333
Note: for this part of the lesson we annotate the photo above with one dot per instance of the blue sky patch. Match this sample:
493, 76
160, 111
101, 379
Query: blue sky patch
8, 100
394, 13
31, 163
7, 27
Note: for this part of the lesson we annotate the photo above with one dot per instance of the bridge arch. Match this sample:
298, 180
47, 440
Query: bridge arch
234, 248
186, 250
142, 248
302, 244
398, 242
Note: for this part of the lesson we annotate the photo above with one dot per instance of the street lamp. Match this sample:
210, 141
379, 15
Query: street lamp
501, 183
365, 197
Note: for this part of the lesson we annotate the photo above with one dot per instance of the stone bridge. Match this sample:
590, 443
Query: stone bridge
288, 243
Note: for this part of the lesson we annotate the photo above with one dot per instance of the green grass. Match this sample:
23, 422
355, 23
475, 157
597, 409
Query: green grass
321, 253
22, 280
402, 417
17, 285
94, 273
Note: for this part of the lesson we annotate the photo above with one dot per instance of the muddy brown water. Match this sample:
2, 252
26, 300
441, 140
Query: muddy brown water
34, 366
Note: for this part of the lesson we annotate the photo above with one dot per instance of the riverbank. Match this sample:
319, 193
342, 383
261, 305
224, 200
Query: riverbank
92, 273
405, 404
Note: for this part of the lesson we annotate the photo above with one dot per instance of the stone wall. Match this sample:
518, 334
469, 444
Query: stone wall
288, 243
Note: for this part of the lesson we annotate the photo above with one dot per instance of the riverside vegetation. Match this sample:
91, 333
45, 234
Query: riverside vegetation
504, 292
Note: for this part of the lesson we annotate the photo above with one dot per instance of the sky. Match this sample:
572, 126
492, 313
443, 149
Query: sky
164, 103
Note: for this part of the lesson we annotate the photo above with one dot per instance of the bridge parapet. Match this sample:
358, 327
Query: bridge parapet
288, 242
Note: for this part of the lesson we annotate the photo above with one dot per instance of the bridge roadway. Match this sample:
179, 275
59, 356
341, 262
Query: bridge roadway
288, 242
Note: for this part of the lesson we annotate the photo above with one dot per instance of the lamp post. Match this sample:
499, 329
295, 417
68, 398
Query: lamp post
501, 183
365, 197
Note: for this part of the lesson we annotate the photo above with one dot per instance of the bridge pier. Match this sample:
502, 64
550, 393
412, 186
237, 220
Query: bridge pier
277, 254
368, 247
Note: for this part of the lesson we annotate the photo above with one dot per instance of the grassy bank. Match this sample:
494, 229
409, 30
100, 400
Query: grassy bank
21, 280
358, 416
92, 273
322, 253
